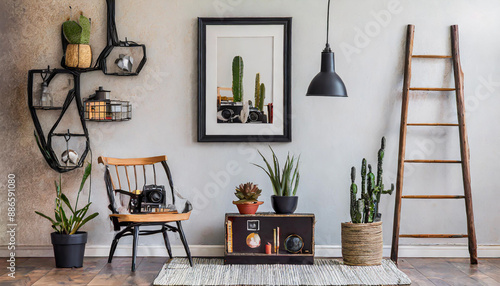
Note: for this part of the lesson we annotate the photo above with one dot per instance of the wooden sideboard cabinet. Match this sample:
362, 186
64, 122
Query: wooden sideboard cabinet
248, 235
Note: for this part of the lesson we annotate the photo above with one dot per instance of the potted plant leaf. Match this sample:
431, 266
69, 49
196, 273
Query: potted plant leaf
284, 181
247, 195
78, 51
362, 240
68, 242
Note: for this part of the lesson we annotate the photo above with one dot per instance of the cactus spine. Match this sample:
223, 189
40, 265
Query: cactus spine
365, 209
262, 97
238, 79
257, 90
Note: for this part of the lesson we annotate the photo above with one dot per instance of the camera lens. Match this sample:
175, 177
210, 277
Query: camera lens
133, 202
155, 197
254, 116
227, 113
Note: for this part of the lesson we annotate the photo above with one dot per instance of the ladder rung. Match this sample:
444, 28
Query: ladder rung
431, 57
434, 161
433, 197
433, 88
434, 235
432, 124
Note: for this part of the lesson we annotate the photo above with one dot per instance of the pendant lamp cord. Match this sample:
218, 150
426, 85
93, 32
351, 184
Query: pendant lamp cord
328, 22
327, 48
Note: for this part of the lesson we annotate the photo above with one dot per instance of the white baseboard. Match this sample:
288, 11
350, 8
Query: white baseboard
218, 251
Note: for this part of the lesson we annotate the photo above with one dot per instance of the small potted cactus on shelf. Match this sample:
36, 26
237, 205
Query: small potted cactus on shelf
247, 194
78, 51
362, 239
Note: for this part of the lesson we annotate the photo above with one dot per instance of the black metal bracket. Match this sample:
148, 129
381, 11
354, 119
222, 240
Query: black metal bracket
45, 143
112, 42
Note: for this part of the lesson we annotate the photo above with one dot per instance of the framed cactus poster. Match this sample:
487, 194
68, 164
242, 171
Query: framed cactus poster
244, 70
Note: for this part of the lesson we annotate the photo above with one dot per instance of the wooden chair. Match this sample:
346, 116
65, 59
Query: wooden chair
129, 224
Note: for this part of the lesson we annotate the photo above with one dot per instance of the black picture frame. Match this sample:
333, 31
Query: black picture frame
253, 225
286, 135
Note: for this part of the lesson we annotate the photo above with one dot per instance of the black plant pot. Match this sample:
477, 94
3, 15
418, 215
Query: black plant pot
284, 204
69, 249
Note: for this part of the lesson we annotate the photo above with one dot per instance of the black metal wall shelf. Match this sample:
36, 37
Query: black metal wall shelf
112, 42
107, 110
45, 142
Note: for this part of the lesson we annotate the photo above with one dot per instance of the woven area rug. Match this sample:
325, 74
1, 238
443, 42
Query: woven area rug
212, 271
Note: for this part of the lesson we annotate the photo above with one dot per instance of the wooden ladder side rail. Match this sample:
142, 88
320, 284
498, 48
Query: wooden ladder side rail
464, 145
402, 141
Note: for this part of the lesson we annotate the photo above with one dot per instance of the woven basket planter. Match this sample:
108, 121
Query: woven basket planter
78, 56
362, 243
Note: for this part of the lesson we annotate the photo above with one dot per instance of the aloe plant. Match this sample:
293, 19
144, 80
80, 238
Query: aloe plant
70, 223
285, 181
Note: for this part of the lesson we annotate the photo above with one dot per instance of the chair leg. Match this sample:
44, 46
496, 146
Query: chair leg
112, 250
134, 247
114, 244
184, 241
167, 243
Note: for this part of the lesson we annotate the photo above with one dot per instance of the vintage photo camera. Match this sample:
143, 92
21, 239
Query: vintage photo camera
229, 112
152, 197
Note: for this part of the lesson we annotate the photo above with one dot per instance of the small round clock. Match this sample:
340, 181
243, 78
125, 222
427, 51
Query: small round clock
294, 243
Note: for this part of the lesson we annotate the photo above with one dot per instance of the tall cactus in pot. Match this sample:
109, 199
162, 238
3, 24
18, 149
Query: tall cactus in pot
372, 188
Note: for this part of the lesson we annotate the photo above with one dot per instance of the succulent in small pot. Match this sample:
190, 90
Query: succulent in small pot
247, 194
284, 181
78, 51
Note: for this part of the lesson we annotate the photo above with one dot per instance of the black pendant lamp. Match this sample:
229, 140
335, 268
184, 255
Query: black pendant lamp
327, 82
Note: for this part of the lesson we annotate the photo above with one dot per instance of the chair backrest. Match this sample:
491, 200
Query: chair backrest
128, 174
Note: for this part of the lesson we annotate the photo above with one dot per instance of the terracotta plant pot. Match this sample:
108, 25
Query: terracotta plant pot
362, 243
78, 56
248, 207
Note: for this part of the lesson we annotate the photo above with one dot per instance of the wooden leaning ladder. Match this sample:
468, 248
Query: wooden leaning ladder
464, 147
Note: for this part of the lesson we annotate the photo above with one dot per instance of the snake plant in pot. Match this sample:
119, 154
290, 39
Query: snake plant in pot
362, 237
284, 181
67, 240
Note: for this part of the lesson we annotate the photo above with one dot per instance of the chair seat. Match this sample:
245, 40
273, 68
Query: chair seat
152, 217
